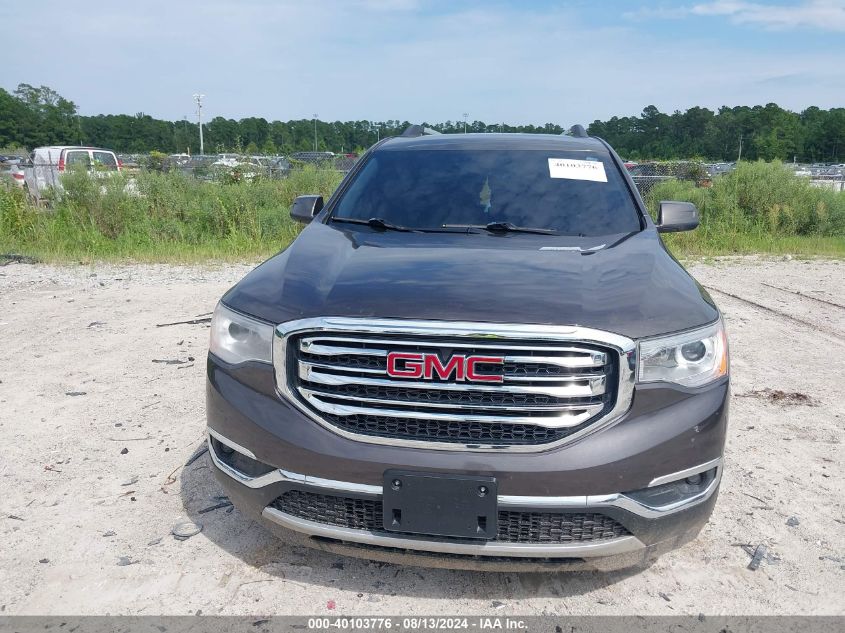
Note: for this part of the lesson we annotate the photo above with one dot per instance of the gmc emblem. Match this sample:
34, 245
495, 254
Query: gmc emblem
427, 366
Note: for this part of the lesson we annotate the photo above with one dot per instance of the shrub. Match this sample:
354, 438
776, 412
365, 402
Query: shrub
157, 212
760, 197
156, 161
14, 216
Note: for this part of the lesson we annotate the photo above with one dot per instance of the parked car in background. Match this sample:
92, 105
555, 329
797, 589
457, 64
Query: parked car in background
48, 164
279, 167
239, 169
300, 159
345, 162
180, 159
10, 169
227, 160
130, 162
15, 173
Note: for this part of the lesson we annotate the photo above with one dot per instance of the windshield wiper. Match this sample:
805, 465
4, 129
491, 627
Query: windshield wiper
384, 225
502, 227
376, 223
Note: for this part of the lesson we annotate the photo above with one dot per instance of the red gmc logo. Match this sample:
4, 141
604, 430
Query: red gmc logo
427, 366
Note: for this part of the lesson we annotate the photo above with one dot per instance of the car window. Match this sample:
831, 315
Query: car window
105, 161
78, 158
574, 193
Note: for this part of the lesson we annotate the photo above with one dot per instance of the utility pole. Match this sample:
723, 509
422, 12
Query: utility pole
198, 98
315, 131
739, 156
465, 122
185, 132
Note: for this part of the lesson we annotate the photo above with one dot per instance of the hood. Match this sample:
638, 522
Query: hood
634, 288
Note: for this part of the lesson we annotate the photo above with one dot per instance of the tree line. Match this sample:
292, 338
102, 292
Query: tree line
32, 116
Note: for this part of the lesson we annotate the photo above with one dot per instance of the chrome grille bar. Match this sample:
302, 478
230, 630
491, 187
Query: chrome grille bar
567, 418
577, 386
577, 357
309, 366
548, 408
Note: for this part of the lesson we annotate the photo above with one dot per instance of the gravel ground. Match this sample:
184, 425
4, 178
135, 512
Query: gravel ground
95, 434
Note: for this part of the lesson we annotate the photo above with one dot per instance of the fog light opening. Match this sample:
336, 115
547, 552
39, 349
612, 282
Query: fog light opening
238, 461
674, 492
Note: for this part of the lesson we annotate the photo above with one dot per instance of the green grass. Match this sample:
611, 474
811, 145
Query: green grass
759, 208
159, 217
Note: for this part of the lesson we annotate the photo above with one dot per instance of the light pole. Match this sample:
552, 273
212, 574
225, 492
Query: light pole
315, 131
465, 122
198, 98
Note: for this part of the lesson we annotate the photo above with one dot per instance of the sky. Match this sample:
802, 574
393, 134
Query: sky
513, 61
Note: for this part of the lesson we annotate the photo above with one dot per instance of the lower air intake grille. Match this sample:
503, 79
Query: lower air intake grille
513, 527
458, 431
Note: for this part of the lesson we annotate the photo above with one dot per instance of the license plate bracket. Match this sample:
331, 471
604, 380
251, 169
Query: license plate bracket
458, 506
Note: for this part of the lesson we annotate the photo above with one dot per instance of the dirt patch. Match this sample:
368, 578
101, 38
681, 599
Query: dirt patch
776, 396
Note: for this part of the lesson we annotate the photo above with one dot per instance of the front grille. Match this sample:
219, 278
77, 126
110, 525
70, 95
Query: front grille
444, 431
549, 390
513, 526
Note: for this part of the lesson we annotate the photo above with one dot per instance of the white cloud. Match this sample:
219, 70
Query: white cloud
828, 15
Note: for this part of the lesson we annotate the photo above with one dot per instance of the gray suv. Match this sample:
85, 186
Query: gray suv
477, 354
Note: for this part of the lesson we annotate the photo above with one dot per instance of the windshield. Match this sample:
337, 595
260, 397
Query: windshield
572, 193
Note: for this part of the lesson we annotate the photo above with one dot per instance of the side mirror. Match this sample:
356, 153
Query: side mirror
306, 207
676, 216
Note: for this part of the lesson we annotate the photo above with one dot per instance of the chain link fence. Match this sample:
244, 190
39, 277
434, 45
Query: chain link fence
238, 167
235, 167
232, 167
647, 176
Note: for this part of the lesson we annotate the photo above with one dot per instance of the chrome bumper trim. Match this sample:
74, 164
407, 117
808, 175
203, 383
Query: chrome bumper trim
683, 474
616, 500
279, 475
622, 545
225, 440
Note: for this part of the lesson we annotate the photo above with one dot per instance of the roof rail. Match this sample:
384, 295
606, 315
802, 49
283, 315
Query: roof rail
578, 131
418, 130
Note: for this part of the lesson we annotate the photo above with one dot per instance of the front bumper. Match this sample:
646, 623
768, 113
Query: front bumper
668, 435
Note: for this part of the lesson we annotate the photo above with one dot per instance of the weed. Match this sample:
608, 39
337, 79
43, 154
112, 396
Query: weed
152, 216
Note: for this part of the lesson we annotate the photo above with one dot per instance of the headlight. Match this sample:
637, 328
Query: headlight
236, 338
692, 358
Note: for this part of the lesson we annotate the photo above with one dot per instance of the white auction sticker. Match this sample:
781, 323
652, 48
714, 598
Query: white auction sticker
577, 169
